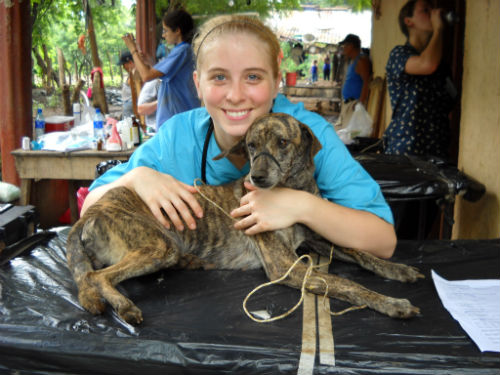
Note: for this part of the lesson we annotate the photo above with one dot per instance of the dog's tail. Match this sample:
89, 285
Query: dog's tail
79, 262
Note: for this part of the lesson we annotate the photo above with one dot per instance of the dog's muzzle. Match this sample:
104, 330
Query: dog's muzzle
264, 153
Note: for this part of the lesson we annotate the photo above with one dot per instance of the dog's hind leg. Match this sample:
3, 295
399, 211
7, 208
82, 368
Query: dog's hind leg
277, 260
136, 263
80, 265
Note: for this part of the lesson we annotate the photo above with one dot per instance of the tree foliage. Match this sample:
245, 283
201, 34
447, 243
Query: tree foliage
59, 24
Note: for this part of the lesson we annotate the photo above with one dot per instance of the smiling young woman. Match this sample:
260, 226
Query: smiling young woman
237, 78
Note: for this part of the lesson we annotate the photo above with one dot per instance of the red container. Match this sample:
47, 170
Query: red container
58, 123
291, 79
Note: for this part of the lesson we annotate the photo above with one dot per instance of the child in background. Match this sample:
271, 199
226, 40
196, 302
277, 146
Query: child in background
314, 71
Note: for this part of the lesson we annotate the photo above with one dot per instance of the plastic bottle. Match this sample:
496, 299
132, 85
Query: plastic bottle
77, 113
136, 131
98, 126
39, 124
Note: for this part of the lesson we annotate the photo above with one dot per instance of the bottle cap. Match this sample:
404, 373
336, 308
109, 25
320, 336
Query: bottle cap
39, 110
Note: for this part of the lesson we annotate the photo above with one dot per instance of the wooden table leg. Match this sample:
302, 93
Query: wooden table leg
25, 192
73, 204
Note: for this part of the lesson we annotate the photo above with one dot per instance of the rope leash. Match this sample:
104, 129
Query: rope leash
307, 277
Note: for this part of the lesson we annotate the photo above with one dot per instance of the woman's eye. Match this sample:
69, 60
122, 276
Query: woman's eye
219, 77
253, 77
282, 143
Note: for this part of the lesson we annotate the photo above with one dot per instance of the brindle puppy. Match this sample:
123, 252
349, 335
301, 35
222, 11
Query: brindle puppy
120, 232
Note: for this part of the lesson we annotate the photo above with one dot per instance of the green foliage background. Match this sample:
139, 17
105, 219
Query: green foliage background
59, 23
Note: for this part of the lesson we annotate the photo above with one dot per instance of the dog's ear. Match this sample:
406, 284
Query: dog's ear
238, 149
310, 139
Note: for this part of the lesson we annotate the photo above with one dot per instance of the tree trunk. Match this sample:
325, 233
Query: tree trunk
63, 85
98, 95
110, 65
76, 92
50, 73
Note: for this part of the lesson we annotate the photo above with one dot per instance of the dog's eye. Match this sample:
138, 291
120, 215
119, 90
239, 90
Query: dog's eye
282, 143
251, 146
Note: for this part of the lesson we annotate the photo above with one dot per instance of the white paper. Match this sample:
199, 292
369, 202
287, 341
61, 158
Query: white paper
475, 304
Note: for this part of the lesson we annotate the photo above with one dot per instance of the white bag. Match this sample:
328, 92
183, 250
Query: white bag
360, 125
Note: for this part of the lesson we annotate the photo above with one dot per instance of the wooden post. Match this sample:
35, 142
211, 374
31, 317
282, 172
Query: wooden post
15, 83
145, 29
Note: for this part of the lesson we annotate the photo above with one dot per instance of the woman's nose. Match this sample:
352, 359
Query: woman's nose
236, 92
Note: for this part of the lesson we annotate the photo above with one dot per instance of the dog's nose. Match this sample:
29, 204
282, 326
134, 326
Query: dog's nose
260, 180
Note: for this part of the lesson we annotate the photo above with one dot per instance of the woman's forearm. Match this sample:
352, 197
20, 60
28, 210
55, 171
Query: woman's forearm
348, 227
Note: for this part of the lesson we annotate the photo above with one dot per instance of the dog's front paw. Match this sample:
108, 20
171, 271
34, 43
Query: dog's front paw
91, 300
130, 313
404, 273
401, 308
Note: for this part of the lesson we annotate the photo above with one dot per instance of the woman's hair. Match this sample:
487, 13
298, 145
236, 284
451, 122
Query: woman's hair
232, 24
180, 19
406, 11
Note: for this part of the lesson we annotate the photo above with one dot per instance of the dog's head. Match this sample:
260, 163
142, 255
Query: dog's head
281, 151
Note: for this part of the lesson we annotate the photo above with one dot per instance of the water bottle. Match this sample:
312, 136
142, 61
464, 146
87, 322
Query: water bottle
99, 127
77, 113
39, 124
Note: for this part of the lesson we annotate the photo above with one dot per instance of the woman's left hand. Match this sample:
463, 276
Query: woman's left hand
266, 209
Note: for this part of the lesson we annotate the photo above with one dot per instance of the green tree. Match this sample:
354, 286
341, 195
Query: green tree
60, 23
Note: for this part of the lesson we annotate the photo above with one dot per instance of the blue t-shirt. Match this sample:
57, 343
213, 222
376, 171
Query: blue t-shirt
177, 92
420, 107
177, 150
353, 83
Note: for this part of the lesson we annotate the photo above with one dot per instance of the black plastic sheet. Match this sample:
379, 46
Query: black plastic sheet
194, 322
411, 178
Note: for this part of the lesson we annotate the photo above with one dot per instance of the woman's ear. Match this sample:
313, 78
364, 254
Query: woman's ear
196, 80
408, 22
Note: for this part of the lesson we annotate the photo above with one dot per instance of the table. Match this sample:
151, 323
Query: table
74, 166
194, 321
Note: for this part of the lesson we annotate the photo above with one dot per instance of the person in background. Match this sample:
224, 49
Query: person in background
177, 92
128, 64
357, 80
148, 102
421, 92
314, 71
237, 76
326, 68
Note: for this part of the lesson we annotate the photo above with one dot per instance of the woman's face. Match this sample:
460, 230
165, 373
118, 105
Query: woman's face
236, 84
421, 18
171, 36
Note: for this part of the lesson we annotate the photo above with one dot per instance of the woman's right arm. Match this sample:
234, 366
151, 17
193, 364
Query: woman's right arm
429, 59
146, 71
161, 193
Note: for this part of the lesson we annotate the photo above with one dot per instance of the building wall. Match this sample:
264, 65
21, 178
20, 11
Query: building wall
479, 144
